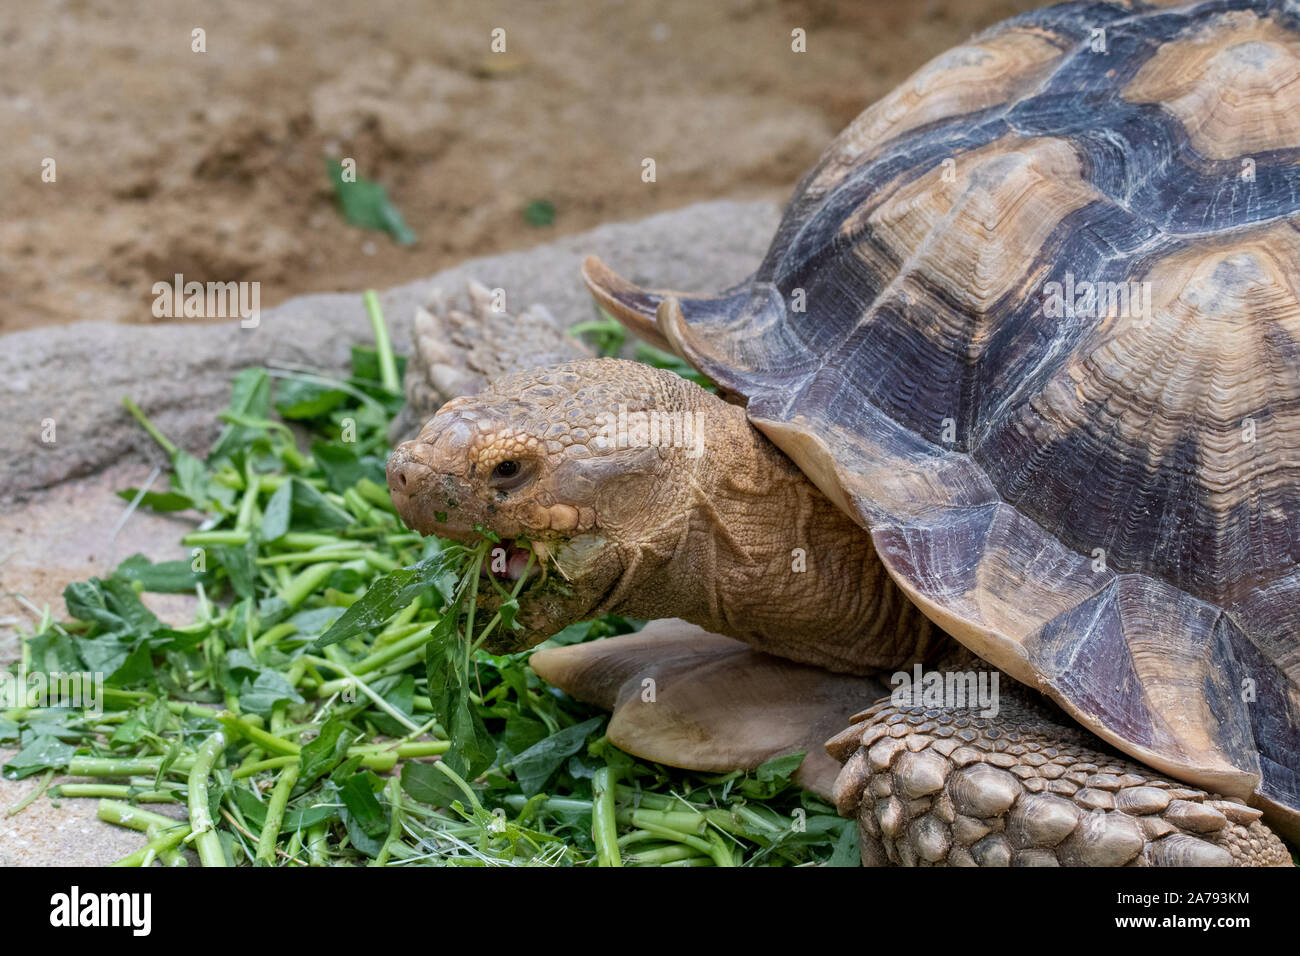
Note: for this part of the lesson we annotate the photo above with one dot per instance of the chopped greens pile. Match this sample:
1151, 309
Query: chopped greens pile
331, 704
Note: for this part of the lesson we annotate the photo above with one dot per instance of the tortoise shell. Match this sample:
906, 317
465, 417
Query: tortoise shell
1034, 320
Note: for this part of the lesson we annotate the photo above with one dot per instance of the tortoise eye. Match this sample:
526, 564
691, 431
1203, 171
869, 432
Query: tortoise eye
510, 475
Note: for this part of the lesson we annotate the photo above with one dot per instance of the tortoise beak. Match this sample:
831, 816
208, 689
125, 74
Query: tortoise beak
429, 479
409, 473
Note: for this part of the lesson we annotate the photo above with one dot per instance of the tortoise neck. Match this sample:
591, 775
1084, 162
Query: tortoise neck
761, 555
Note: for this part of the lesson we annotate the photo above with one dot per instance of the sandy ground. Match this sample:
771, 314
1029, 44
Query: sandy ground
213, 164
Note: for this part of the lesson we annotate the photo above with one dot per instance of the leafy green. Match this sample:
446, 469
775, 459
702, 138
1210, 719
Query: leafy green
540, 212
169, 577
535, 766
40, 754
365, 203
331, 640
387, 596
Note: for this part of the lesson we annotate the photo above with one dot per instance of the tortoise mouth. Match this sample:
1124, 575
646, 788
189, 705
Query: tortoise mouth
509, 563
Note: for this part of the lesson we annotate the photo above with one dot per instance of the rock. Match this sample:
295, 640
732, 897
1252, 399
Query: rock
180, 373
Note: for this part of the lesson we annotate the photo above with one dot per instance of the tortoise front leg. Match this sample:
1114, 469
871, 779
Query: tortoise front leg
935, 787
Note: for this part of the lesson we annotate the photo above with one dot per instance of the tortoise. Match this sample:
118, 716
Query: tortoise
1014, 393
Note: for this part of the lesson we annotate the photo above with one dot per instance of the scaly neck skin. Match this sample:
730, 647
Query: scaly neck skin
758, 553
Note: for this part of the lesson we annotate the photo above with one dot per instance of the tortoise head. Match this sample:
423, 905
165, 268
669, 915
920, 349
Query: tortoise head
552, 458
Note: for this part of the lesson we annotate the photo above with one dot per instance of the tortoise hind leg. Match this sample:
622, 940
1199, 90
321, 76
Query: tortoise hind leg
935, 786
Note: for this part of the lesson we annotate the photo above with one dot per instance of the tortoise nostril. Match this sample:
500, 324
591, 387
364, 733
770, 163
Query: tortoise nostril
406, 471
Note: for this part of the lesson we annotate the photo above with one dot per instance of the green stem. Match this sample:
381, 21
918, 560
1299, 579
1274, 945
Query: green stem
395, 825
209, 538
244, 518
135, 818
387, 362
317, 851
301, 587
115, 791
361, 685
274, 634
168, 840
311, 557
123, 766
393, 650
251, 769
267, 741
459, 781
604, 827
162, 440
206, 840
36, 791
682, 821
658, 856
275, 814
170, 856
713, 847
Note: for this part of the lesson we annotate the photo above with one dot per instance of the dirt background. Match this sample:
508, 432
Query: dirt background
213, 164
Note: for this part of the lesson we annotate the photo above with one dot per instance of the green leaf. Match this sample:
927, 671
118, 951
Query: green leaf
135, 667
846, 848
312, 622
344, 468
539, 212
130, 731
385, 597
250, 397
191, 477
8, 729
472, 747
112, 604
441, 662
508, 610
535, 765
365, 364
312, 511
366, 204
239, 565
303, 398
427, 784
366, 818
295, 818
269, 689
275, 519
241, 664
158, 500
322, 755
43, 753
162, 577
779, 768
54, 652
401, 697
